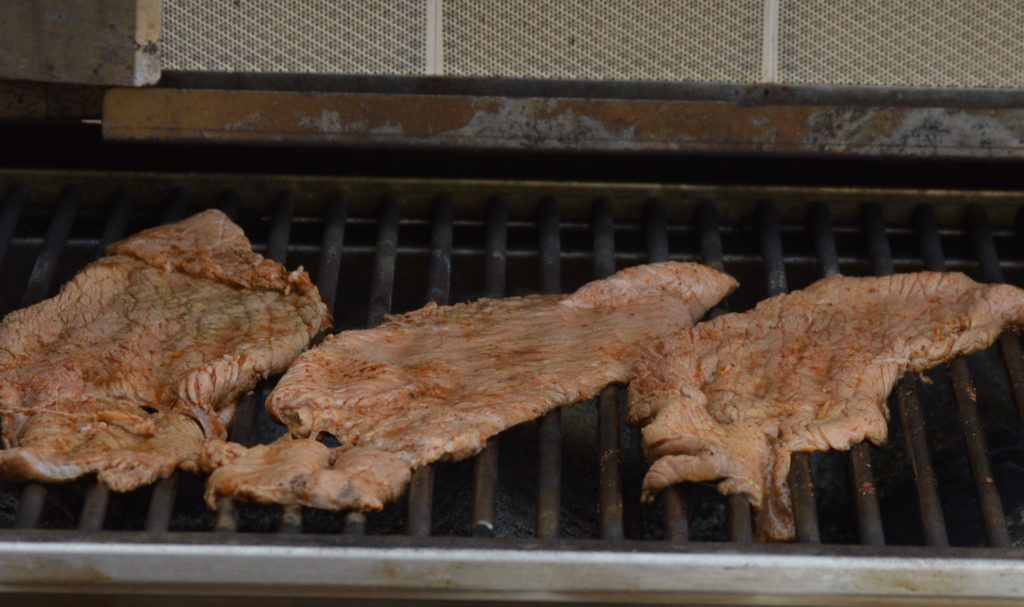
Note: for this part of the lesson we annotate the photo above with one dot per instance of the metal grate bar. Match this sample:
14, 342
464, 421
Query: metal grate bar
243, 428
869, 517
485, 472
740, 529
988, 260
673, 499
381, 290
327, 281
610, 480
993, 518
421, 487
800, 479
14, 203
33, 496
384, 264
94, 507
161, 504
41, 278
933, 524
549, 475
327, 273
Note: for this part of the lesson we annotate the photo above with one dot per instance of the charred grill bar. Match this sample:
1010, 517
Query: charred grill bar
573, 240
485, 476
869, 517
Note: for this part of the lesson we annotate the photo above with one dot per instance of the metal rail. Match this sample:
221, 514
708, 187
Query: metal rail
609, 415
161, 504
800, 479
869, 516
40, 282
988, 263
549, 434
673, 499
992, 515
331, 246
485, 472
740, 527
244, 425
439, 272
933, 524
94, 507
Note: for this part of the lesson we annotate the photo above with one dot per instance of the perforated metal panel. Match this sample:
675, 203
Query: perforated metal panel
323, 36
936, 43
701, 40
928, 43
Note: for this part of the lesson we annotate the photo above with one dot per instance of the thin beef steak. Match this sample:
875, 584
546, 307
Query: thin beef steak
732, 398
144, 353
436, 383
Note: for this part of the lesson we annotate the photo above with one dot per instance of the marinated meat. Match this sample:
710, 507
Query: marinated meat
732, 398
438, 382
304, 472
144, 353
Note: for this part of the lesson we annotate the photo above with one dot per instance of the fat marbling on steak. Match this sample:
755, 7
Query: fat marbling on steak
436, 383
732, 398
144, 353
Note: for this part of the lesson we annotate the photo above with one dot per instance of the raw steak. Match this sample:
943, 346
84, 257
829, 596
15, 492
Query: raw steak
438, 382
810, 370
144, 353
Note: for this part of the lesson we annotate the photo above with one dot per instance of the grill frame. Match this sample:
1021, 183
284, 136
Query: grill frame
464, 567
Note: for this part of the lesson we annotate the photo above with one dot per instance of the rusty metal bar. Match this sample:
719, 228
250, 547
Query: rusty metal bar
161, 504
609, 447
556, 123
40, 281
421, 487
549, 435
800, 479
992, 515
869, 516
933, 524
94, 507
485, 472
988, 261
740, 523
673, 499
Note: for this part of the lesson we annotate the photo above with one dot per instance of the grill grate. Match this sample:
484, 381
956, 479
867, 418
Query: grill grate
576, 472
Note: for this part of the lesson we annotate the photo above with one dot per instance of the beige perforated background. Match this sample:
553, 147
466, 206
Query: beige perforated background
955, 43
902, 42
702, 40
323, 36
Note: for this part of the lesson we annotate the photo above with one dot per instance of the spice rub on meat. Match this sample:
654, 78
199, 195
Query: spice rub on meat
144, 353
438, 382
732, 398
304, 472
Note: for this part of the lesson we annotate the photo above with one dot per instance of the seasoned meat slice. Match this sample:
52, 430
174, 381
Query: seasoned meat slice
304, 472
438, 382
144, 353
731, 399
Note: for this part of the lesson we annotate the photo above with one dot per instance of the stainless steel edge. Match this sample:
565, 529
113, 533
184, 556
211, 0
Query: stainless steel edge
503, 574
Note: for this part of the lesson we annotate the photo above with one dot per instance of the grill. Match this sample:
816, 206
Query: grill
550, 510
